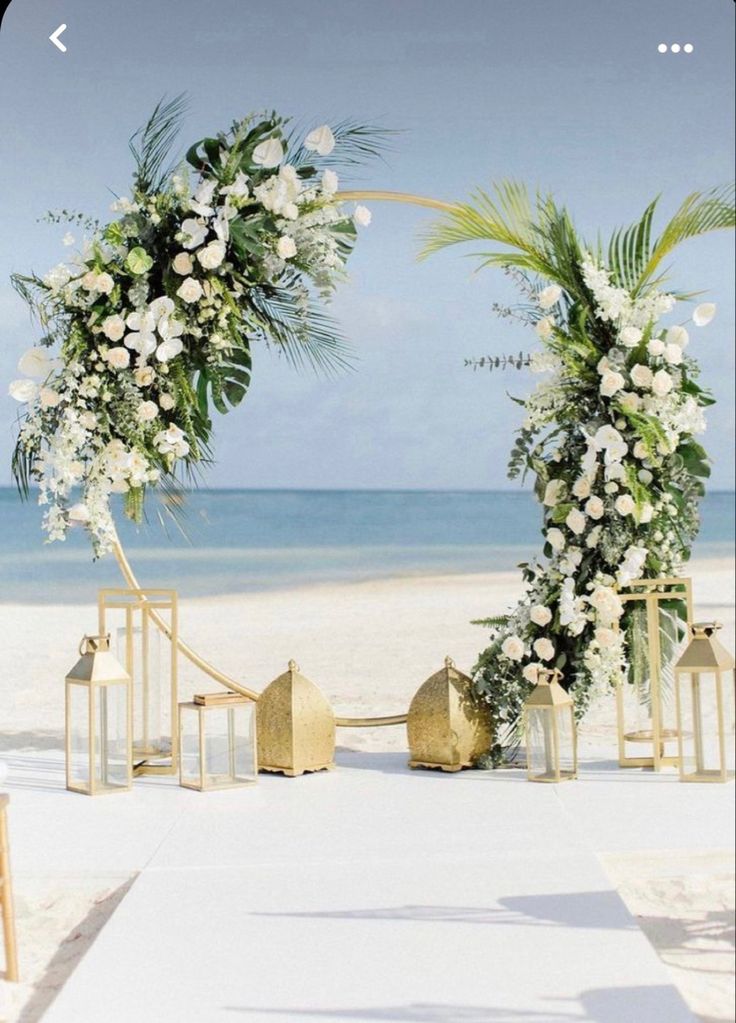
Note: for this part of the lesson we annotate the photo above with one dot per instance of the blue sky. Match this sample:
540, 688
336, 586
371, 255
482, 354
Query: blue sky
571, 95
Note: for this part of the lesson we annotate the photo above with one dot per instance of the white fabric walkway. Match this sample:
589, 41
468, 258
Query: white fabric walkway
370, 893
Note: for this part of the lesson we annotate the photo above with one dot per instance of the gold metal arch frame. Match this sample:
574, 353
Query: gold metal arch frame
129, 575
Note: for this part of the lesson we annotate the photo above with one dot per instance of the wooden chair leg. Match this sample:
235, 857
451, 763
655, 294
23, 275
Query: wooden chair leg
6, 902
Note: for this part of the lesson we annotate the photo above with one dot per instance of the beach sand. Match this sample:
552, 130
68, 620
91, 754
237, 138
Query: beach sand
368, 646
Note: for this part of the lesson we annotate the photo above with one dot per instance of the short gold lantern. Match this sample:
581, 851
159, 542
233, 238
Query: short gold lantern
549, 727
704, 685
658, 612
99, 710
217, 746
296, 726
446, 727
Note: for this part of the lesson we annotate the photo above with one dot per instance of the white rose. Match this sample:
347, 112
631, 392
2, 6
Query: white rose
268, 154
89, 281
556, 539
190, 290
166, 401
611, 488
118, 358
575, 521
35, 362
595, 508
625, 504
641, 376
113, 327
677, 336
362, 216
286, 247
531, 673
630, 337
212, 255
641, 451
656, 347
183, 264
147, 410
23, 390
593, 537
540, 615
543, 328
513, 648
104, 283
661, 383
49, 398
329, 182
673, 355
611, 382
581, 488
79, 513
549, 296
703, 314
646, 513
320, 141
605, 638
168, 350
544, 648
629, 401
144, 376
615, 471
553, 492
194, 233
88, 420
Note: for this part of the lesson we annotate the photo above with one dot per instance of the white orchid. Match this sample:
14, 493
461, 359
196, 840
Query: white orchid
193, 233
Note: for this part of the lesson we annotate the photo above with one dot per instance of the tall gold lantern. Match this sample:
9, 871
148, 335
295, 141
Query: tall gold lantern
446, 728
549, 729
295, 726
658, 611
99, 710
704, 685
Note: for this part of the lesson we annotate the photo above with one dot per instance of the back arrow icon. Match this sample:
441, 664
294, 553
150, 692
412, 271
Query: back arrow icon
54, 38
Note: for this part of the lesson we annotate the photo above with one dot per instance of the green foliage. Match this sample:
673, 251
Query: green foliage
151, 144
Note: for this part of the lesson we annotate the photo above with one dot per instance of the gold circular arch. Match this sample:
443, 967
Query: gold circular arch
214, 673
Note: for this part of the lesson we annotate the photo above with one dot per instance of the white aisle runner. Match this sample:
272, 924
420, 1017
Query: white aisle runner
375, 893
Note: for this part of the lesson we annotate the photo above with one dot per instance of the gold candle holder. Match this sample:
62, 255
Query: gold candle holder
446, 727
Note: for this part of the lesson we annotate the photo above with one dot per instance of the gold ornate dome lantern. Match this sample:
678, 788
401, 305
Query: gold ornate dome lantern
295, 726
446, 727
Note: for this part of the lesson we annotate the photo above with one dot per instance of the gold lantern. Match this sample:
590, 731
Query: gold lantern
98, 721
150, 658
296, 726
217, 745
704, 685
446, 727
657, 613
549, 727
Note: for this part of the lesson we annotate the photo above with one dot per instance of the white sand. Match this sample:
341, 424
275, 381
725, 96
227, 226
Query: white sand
368, 646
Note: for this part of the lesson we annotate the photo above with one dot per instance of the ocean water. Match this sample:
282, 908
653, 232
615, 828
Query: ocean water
249, 540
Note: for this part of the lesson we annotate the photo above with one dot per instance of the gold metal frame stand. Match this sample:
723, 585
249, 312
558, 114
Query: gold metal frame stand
6, 895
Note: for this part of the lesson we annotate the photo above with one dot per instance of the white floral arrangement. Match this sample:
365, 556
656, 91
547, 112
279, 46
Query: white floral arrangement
152, 322
610, 435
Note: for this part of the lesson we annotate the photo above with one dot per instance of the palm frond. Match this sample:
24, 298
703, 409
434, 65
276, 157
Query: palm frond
152, 143
629, 250
699, 213
306, 336
355, 144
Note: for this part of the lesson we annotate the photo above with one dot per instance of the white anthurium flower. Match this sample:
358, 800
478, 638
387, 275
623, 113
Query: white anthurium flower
320, 141
513, 648
194, 233
549, 296
35, 362
163, 306
677, 335
362, 216
269, 153
212, 255
704, 313
79, 513
168, 350
23, 390
286, 247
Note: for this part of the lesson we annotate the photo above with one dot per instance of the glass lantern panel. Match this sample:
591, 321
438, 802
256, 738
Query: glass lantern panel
189, 723
706, 752
229, 745
566, 741
138, 647
110, 741
638, 711
540, 748
78, 697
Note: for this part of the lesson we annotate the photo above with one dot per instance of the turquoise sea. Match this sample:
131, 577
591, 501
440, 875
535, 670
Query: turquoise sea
246, 540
